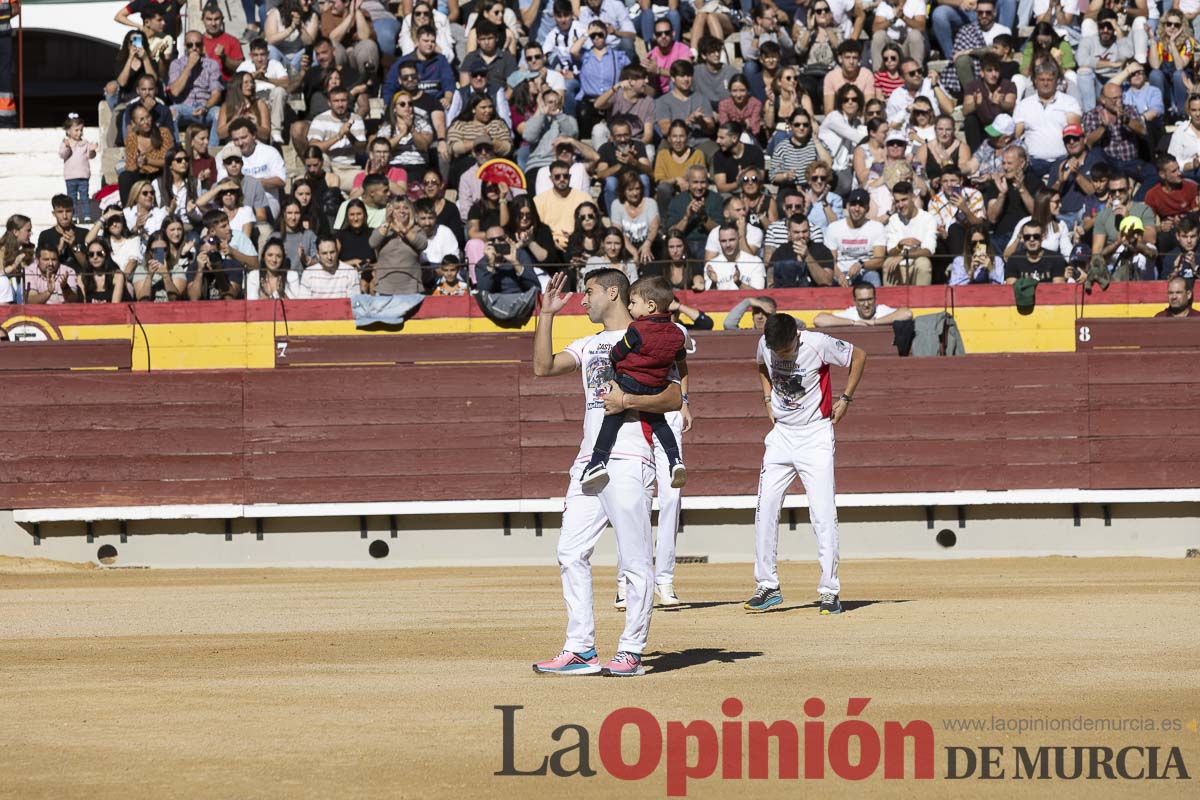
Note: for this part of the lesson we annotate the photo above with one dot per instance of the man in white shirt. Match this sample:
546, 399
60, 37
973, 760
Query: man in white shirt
441, 241
864, 312
270, 84
259, 160
1040, 120
793, 369
750, 237
330, 278
911, 241
735, 268
625, 500
1185, 141
915, 85
340, 134
858, 244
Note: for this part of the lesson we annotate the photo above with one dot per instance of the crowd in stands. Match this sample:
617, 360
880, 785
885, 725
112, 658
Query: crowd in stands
721, 144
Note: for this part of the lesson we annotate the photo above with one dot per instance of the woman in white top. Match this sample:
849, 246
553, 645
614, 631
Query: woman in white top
612, 248
143, 215
425, 14
870, 152
1056, 234
636, 216
842, 131
125, 250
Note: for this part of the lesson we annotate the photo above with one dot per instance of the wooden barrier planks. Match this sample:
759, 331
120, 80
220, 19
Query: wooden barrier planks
308, 351
60, 356
416, 431
1101, 333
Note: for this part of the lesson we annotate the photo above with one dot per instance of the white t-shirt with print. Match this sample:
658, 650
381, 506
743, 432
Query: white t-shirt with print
854, 244
801, 391
596, 368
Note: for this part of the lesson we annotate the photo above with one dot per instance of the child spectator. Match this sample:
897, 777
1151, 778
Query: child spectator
642, 361
450, 283
76, 153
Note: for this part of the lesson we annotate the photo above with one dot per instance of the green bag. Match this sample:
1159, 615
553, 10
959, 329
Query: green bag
1025, 293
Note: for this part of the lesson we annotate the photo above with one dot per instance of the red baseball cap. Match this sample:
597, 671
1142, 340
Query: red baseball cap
1072, 130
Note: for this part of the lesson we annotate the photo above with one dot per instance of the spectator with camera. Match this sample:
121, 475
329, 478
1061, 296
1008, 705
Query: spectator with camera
501, 270
224, 256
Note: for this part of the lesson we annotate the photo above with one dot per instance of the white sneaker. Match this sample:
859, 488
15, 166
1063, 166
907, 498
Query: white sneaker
619, 601
666, 594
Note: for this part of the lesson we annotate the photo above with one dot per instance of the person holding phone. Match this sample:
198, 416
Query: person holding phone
501, 270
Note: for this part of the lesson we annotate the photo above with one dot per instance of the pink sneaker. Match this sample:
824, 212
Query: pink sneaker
624, 665
568, 663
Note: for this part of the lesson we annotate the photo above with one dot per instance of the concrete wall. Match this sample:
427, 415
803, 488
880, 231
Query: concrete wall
1164, 530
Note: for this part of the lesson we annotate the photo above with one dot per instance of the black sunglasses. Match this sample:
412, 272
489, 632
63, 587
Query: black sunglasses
1031, 237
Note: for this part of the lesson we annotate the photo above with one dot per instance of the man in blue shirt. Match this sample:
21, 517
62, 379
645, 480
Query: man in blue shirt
434, 72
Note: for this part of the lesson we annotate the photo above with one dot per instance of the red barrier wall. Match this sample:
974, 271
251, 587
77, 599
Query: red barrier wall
415, 432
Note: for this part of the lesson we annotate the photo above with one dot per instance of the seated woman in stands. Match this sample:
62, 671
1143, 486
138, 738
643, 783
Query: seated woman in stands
978, 263
100, 280
160, 277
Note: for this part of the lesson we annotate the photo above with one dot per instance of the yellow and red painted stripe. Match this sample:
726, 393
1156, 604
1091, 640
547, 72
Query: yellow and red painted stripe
239, 335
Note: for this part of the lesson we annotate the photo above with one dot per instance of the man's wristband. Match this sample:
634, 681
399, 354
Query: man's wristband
847, 398
684, 398
767, 399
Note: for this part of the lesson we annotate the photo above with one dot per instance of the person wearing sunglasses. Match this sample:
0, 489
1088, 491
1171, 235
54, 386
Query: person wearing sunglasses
1100, 57
1036, 262
1170, 58
916, 85
973, 38
978, 262
665, 50
850, 71
793, 155
903, 23
424, 14
599, 71
734, 157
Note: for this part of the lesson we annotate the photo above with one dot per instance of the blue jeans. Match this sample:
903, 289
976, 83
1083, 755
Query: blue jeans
646, 22
77, 190
570, 103
250, 7
947, 20
1174, 97
387, 30
289, 60
610, 190
870, 276
186, 115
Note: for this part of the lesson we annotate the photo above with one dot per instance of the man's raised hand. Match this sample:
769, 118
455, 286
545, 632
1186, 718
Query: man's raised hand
554, 299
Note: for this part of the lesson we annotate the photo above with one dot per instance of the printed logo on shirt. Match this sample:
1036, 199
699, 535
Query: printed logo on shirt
788, 388
599, 372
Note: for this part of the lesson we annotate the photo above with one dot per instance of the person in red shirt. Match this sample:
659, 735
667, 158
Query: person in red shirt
226, 50
1174, 197
1179, 300
642, 362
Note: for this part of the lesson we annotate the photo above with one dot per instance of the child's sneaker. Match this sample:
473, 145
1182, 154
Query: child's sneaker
678, 475
594, 478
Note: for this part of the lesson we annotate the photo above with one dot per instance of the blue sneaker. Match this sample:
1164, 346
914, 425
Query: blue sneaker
763, 599
568, 663
830, 604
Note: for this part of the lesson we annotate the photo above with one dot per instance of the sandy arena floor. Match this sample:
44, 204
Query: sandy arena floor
137, 683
